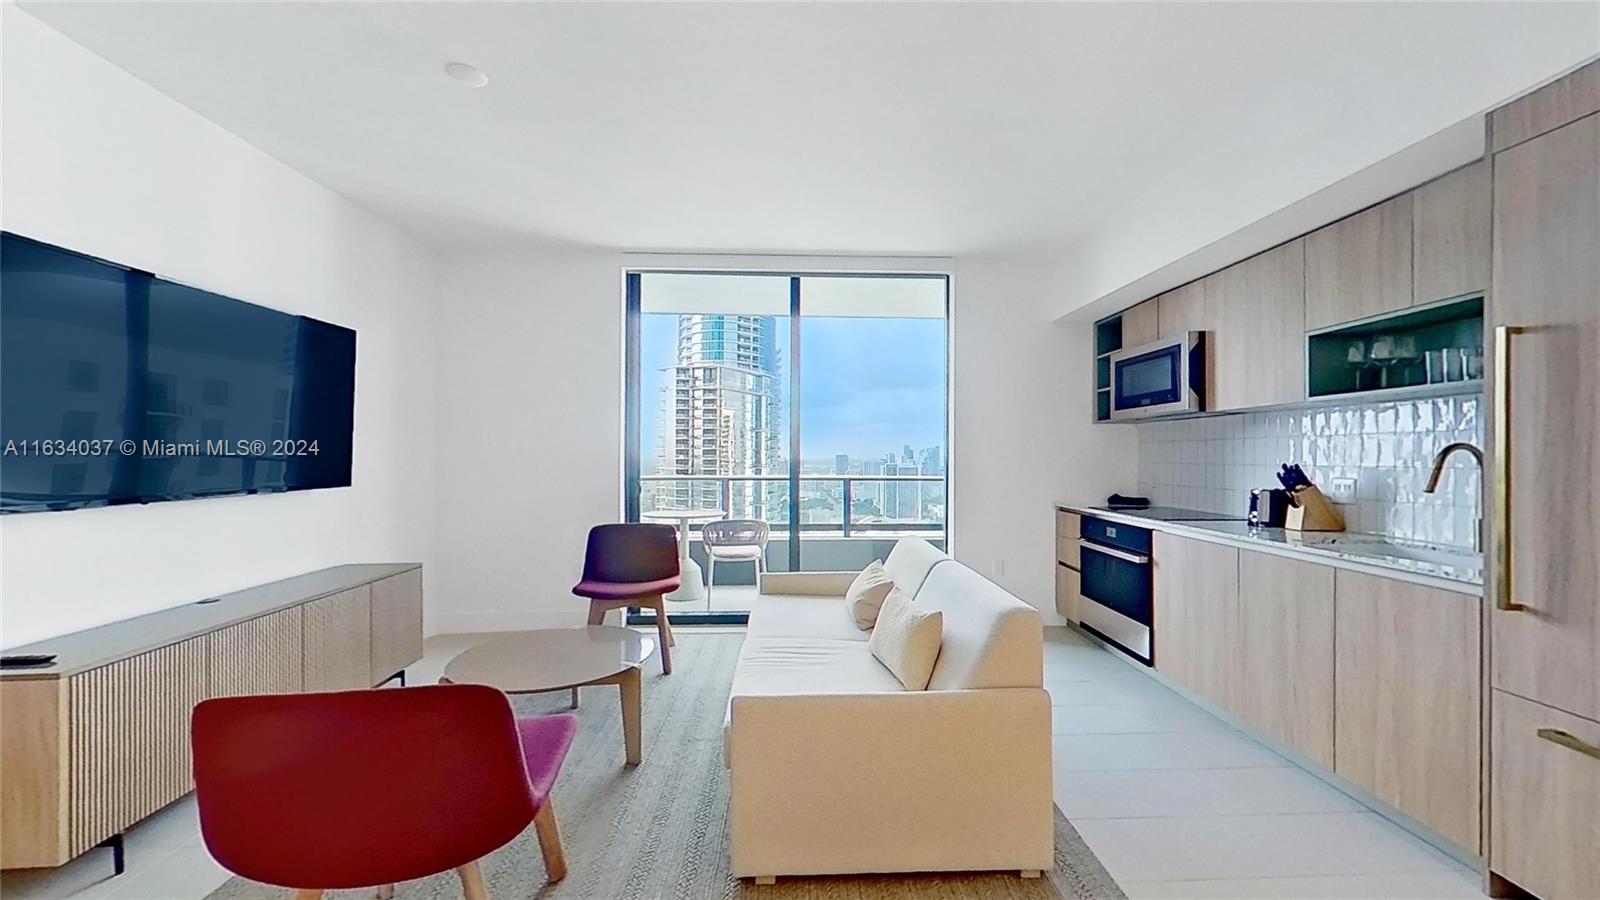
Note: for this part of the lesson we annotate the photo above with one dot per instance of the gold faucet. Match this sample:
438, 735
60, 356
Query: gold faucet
1438, 471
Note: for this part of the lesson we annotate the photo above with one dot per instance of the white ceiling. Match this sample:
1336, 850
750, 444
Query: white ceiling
893, 129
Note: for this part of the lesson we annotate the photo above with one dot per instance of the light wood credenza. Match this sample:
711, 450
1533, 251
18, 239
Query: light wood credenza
100, 740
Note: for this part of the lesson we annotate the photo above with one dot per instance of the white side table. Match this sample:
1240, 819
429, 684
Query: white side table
688, 570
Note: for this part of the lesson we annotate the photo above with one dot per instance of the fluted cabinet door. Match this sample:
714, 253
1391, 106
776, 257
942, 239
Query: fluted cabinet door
396, 624
130, 753
338, 641
259, 656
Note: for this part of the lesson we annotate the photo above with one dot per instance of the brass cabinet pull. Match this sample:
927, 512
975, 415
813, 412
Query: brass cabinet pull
1502, 466
1569, 741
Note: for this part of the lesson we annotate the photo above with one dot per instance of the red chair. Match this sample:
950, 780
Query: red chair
631, 565
357, 788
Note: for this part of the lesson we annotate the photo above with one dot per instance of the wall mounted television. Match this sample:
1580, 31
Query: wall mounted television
120, 387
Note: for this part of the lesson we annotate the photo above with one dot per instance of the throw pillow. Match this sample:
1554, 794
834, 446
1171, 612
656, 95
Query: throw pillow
865, 595
907, 640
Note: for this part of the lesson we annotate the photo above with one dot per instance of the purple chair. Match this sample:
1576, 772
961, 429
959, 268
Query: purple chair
632, 565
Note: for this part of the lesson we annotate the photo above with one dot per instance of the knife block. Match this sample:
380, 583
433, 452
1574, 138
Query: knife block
1309, 510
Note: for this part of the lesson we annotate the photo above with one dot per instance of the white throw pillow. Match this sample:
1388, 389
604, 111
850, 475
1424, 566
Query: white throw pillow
866, 594
907, 640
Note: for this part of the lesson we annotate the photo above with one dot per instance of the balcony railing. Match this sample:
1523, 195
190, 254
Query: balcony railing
847, 524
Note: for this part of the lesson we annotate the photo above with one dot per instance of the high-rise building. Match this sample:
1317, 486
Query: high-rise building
933, 461
723, 416
899, 499
841, 464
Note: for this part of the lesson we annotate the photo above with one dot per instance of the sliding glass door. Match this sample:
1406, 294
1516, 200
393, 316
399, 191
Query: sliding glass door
816, 404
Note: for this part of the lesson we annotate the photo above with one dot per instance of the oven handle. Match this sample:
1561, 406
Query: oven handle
1123, 555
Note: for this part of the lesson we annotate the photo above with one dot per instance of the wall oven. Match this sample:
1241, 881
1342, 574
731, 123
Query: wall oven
1116, 587
1161, 378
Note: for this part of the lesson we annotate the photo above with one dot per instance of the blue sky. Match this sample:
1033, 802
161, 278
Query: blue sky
867, 385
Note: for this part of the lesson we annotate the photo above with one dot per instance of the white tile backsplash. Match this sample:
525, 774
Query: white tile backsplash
1388, 448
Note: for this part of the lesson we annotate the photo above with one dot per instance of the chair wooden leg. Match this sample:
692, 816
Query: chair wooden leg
664, 632
597, 612
385, 892
555, 859
472, 885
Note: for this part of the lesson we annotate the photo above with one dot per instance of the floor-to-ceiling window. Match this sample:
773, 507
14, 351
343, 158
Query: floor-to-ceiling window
817, 404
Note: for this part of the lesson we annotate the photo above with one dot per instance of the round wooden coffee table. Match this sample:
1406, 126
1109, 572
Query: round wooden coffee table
560, 659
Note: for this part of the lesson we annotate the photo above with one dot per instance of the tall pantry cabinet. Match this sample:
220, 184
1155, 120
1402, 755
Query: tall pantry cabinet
1544, 512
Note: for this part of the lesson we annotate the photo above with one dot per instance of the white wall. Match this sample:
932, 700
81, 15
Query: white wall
1024, 439
99, 162
530, 415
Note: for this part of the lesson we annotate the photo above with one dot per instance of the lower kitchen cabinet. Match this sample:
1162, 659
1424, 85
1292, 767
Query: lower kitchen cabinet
1284, 667
1544, 831
1068, 564
1067, 591
1408, 699
1196, 615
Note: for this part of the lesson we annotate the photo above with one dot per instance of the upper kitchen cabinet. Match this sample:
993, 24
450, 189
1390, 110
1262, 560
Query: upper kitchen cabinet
1139, 324
1359, 266
1257, 315
1450, 235
1182, 309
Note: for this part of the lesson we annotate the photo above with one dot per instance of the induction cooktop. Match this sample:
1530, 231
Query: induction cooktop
1174, 514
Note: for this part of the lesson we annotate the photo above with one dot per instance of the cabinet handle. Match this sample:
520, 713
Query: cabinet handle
1569, 741
1502, 467
1135, 558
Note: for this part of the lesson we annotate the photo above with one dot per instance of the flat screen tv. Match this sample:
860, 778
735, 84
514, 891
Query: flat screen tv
120, 387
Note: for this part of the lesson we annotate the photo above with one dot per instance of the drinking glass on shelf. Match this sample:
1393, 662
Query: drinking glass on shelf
1406, 355
1472, 363
1455, 364
1383, 356
1355, 356
1434, 362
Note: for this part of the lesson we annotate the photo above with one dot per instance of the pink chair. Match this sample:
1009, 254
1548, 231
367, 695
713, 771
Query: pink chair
631, 565
357, 788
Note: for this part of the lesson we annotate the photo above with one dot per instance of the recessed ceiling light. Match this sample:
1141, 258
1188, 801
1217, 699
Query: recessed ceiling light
469, 75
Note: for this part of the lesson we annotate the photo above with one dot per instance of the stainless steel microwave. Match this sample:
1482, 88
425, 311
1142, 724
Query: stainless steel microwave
1161, 378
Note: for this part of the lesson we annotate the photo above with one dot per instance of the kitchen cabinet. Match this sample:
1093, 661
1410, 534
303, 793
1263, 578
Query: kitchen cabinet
1543, 827
1450, 235
1544, 615
1068, 573
1068, 590
1547, 281
1139, 324
1359, 266
1183, 309
1284, 666
1258, 342
1546, 109
1196, 620
1408, 696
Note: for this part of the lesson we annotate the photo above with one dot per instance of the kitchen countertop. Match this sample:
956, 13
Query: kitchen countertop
1446, 568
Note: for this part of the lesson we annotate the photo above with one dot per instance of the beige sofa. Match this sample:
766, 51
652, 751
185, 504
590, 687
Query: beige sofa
837, 769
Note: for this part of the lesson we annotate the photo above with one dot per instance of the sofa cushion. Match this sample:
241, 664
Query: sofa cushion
906, 640
909, 563
991, 639
865, 595
800, 616
801, 665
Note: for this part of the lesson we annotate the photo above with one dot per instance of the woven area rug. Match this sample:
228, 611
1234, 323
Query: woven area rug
661, 830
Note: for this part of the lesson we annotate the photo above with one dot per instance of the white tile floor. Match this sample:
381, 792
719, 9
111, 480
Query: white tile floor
1176, 804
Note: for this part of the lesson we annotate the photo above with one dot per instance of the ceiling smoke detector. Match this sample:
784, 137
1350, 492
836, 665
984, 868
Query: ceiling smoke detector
469, 75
